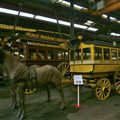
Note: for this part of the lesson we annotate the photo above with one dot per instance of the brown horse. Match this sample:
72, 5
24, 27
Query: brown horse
22, 77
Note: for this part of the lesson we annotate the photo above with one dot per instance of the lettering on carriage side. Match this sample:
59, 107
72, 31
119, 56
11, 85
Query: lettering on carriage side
46, 37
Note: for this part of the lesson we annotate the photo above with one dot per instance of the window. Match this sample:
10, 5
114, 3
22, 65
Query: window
21, 54
114, 54
86, 54
50, 55
119, 54
60, 55
98, 53
78, 54
72, 55
41, 55
106, 54
66, 56
32, 54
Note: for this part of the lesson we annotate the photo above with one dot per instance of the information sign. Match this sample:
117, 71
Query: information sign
78, 80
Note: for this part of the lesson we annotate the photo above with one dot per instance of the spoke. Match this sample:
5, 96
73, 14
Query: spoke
108, 86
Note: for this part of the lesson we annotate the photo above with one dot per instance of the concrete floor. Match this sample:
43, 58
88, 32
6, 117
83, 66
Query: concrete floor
38, 109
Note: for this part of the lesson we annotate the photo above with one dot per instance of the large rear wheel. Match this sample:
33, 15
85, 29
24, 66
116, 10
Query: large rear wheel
103, 88
64, 69
117, 81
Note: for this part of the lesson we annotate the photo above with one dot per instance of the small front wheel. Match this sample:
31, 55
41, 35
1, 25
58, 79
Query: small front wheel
103, 88
29, 91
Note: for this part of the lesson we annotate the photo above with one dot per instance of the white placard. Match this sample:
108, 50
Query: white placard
78, 80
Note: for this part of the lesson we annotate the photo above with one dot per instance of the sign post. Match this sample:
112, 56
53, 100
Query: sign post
78, 80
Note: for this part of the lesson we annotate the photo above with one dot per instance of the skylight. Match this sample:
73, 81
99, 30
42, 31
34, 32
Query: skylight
9, 11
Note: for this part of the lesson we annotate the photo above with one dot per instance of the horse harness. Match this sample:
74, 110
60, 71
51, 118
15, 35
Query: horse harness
27, 75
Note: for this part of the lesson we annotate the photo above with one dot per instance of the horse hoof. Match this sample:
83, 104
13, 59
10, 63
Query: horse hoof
21, 118
62, 109
13, 107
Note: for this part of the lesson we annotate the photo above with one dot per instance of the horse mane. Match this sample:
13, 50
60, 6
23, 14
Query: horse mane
9, 56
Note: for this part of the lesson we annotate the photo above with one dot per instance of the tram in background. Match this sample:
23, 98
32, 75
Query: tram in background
41, 49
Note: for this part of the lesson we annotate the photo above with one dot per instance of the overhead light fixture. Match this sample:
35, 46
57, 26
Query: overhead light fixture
92, 29
65, 3
56, 1
89, 23
118, 21
64, 23
86, 23
115, 34
80, 26
113, 19
78, 7
104, 16
9, 11
29, 15
46, 19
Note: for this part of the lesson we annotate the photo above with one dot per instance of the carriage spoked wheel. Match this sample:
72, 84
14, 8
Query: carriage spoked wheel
103, 88
29, 91
64, 68
117, 81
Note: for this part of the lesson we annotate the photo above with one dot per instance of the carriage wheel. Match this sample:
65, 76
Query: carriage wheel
30, 91
103, 89
64, 67
117, 81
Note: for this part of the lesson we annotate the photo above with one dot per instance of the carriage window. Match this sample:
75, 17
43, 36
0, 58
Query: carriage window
119, 54
66, 56
78, 54
113, 54
86, 53
50, 55
72, 55
21, 54
41, 55
98, 53
60, 55
106, 54
32, 54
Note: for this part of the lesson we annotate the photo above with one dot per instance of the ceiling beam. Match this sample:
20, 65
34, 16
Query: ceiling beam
110, 5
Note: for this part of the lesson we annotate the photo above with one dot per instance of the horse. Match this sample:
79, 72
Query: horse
22, 77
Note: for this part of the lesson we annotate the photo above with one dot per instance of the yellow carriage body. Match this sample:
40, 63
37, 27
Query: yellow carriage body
98, 64
92, 64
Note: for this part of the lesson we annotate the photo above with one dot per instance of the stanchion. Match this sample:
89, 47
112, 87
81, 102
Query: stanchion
78, 81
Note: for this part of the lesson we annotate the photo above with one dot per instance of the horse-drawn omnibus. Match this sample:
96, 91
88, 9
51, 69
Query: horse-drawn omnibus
99, 64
